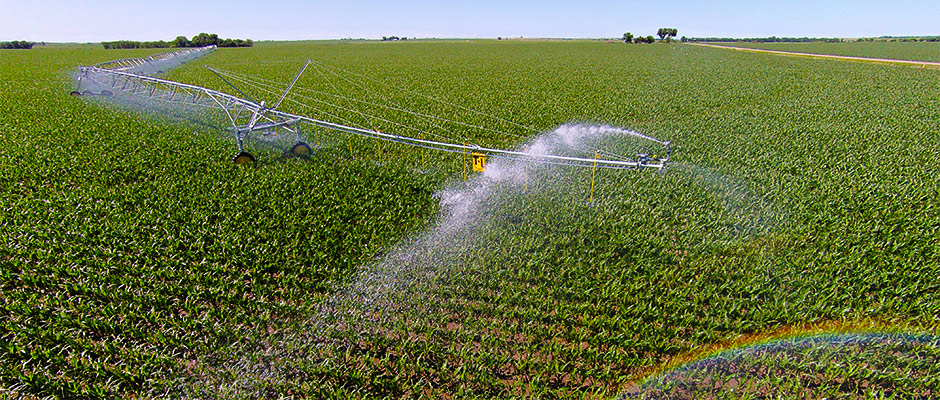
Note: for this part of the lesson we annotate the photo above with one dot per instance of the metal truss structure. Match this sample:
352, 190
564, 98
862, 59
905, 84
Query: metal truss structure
134, 78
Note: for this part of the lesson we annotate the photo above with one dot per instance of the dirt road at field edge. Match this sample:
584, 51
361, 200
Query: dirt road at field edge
922, 64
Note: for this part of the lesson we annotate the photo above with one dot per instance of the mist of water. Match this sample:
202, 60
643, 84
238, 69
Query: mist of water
408, 270
747, 211
405, 283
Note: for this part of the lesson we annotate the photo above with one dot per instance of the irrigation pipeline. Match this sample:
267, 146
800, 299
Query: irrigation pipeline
123, 76
176, 57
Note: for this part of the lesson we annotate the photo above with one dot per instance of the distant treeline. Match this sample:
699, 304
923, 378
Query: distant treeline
665, 34
200, 40
772, 39
902, 39
16, 44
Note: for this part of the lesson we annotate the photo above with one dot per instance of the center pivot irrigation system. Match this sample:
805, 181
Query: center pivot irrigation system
136, 78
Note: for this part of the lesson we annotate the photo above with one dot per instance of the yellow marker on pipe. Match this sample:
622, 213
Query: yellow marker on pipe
349, 143
423, 165
465, 166
593, 175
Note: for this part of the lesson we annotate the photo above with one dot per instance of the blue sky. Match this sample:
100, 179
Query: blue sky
102, 20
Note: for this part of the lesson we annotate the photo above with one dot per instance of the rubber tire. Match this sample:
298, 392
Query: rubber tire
300, 149
75, 93
88, 93
106, 93
243, 158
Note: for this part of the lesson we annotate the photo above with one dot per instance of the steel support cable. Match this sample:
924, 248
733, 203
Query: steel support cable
423, 115
271, 91
340, 107
428, 118
384, 98
320, 111
334, 88
455, 105
439, 100
387, 107
395, 108
379, 118
247, 82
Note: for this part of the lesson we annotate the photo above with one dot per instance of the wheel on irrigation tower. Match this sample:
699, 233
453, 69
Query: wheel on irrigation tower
300, 149
75, 93
106, 93
243, 158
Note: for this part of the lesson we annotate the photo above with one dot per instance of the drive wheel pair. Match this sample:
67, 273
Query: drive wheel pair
300, 149
243, 158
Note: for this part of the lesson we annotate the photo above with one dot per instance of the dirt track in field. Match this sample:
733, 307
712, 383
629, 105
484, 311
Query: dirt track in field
922, 64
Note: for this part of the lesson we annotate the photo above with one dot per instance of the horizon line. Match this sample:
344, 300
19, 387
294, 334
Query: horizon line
407, 38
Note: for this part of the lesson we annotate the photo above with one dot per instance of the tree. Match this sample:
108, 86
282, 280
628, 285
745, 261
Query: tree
16, 44
667, 33
180, 41
205, 39
628, 37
